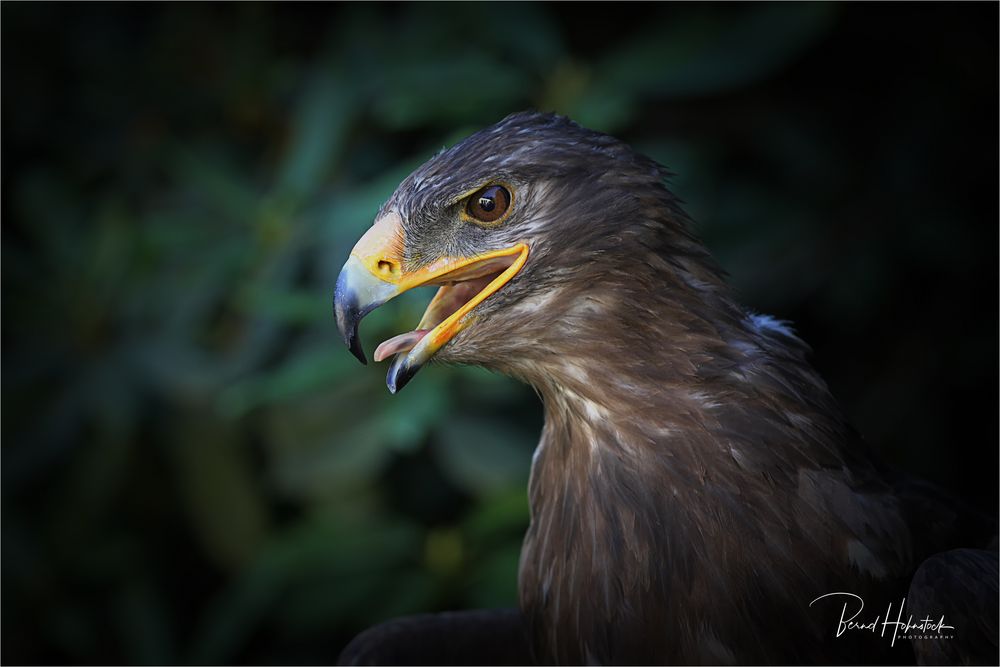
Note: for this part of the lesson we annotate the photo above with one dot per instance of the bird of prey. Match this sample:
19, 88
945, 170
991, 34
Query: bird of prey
697, 495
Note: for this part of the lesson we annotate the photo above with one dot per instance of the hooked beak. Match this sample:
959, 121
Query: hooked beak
374, 273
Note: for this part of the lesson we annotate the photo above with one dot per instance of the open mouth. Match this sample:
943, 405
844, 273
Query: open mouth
462, 289
375, 273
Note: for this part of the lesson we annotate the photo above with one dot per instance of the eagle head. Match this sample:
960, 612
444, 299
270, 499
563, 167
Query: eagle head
694, 472
526, 226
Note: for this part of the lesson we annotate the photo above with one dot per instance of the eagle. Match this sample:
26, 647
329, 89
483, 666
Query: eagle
697, 495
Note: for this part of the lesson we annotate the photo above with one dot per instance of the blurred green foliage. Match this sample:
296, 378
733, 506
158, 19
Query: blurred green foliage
196, 470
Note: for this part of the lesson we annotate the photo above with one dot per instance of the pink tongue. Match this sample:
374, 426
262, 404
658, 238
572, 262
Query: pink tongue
401, 343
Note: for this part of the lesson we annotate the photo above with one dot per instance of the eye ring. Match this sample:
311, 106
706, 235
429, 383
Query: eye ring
489, 205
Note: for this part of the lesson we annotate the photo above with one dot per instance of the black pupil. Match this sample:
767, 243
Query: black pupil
487, 203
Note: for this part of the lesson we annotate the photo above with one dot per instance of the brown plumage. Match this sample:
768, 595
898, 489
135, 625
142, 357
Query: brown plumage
696, 486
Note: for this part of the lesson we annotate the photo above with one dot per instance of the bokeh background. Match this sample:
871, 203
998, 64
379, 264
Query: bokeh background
195, 469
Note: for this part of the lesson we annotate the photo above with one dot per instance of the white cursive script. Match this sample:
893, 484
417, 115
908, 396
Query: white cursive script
849, 620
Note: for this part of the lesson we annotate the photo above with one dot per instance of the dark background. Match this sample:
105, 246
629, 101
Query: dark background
194, 468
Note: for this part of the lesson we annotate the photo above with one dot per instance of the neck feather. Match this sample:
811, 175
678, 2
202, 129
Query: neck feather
658, 412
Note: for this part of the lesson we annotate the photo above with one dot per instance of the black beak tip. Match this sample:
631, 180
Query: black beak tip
399, 374
354, 344
348, 317
348, 325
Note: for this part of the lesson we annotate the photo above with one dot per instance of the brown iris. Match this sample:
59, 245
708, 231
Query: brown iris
488, 204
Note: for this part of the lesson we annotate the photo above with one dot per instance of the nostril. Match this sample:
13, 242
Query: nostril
386, 267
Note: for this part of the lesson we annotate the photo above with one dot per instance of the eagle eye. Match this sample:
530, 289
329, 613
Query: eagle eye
488, 204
